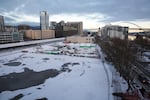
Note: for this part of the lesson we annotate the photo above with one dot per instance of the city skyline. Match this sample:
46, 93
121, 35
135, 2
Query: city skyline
93, 13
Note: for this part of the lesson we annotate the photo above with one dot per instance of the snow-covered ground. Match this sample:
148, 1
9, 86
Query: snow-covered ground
88, 78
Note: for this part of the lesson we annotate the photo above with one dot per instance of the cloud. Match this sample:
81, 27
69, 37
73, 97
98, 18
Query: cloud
98, 11
134, 24
89, 20
19, 17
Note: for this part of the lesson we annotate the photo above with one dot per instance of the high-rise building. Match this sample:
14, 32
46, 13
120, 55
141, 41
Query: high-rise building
2, 24
44, 20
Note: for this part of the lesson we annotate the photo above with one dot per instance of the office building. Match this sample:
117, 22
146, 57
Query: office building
63, 29
2, 29
114, 31
78, 25
44, 20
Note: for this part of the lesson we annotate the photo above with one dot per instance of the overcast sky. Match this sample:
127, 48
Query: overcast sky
93, 13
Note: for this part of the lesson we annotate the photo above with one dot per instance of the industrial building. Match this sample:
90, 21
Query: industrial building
44, 20
114, 31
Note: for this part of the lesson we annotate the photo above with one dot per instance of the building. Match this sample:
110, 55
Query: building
10, 28
44, 20
78, 25
2, 29
114, 31
80, 39
5, 37
39, 34
53, 25
23, 27
63, 29
8, 37
9, 34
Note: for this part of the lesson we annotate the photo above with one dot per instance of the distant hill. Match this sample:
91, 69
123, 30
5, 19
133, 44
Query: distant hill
35, 27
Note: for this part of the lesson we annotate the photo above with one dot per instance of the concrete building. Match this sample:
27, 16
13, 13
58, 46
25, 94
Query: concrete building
113, 31
67, 29
8, 37
5, 37
9, 34
44, 20
2, 29
47, 34
78, 25
10, 28
39, 34
53, 25
80, 39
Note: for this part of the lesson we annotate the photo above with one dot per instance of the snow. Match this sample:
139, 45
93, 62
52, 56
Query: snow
117, 84
2, 46
70, 86
91, 79
146, 59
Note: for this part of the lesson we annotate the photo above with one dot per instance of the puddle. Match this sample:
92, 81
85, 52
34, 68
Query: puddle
13, 64
70, 64
66, 65
17, 97
23, 64
24, 51
39, 88
28, 78
42, 99
45, 58
28, 57
73, 64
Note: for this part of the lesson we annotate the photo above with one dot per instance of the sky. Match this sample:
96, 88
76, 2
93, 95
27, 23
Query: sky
93, 13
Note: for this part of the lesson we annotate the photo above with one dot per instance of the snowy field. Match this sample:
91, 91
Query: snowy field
74, 72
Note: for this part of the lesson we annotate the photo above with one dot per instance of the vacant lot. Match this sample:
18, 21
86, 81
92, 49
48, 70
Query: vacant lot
55, 71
